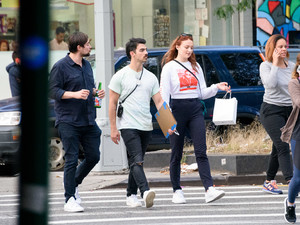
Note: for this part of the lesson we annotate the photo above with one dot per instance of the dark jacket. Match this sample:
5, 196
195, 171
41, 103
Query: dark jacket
14, 72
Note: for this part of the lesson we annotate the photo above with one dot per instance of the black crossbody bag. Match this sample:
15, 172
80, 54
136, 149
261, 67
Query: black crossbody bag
120, 107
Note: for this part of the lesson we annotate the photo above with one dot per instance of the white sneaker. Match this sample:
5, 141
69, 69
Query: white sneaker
72, 206
178, 197
149, 198
133, 201
77, 196
213, 194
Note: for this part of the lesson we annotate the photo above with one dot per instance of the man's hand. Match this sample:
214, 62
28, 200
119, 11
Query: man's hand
82, 94
101, 93
115, 136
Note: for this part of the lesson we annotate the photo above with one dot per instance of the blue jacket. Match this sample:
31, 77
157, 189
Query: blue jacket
14, 78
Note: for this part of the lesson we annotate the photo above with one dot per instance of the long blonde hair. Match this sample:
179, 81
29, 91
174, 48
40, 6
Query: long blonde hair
172, 53
296, 74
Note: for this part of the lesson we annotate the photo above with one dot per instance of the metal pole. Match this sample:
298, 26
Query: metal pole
34, 21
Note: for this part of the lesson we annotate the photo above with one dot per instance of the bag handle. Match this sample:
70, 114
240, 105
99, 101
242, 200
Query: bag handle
227, 93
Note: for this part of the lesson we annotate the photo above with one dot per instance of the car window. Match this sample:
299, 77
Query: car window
209, 70
152, 64
244, 68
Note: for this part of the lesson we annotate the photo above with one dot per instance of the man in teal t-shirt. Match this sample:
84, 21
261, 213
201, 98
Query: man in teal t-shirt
135, 124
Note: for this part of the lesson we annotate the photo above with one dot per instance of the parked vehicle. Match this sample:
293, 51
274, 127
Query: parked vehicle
239, 66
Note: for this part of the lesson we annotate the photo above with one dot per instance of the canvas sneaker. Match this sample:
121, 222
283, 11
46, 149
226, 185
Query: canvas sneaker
73, 206
77, 196
178, 197
289, 212
271, 188
132, 201
212, 194
149, 198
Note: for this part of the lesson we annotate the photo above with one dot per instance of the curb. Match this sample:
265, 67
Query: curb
219, 180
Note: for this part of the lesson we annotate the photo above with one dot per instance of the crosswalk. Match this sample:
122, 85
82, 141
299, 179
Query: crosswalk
241, 205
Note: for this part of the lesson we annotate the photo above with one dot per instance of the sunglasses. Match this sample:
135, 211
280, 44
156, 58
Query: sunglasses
184, 35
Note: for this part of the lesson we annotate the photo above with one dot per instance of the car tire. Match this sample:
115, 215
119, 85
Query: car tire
56, 154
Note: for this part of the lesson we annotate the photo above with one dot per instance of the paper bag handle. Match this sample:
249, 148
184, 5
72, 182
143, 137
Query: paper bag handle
227, 93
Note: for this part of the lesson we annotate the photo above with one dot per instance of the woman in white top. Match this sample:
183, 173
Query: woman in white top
182, 80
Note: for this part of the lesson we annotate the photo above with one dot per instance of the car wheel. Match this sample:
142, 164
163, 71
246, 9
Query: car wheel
56, 154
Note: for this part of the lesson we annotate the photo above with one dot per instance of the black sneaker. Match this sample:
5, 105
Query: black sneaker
289, 212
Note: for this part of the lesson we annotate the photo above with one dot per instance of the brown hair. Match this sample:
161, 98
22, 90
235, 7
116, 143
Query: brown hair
296, 74
271, 44
173, 52
77, 38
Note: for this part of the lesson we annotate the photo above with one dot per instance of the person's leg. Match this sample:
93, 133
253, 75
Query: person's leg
273, 164
273, 119
179, 111
196, 127
90, 141
294, 185
70, 139
133, 145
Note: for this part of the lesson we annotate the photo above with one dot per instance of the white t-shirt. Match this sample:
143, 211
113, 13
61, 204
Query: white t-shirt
178, 83
136, 114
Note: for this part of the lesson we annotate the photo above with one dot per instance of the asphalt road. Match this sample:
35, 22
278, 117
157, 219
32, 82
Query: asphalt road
241, 205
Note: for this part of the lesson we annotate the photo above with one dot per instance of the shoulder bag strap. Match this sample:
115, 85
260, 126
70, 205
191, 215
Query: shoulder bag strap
121, 102
188, 70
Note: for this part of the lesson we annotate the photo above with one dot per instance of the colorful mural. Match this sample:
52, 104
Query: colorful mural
277, 17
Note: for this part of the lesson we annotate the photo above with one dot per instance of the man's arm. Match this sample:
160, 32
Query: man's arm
112, 108
158, 101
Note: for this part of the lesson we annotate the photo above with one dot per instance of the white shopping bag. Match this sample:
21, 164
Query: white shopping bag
225, 111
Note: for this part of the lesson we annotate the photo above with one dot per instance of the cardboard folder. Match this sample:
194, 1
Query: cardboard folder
165, 119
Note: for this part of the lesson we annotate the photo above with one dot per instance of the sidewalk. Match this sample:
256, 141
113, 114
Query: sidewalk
100, 180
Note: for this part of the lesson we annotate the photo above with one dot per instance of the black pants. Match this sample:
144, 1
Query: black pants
189, 116
273, 118
136, 142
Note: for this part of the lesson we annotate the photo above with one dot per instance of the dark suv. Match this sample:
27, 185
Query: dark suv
239, 66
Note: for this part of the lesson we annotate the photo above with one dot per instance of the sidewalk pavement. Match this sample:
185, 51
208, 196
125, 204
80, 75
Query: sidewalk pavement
100, 180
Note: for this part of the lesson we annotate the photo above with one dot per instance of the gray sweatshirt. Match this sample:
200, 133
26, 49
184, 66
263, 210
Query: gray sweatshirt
275, 81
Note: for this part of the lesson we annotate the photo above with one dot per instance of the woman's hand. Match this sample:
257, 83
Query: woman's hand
276, 56
223, 86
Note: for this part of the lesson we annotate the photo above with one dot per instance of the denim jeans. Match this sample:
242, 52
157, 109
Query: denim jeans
189, 116
294, 185
72, 137
273, 118
136, 142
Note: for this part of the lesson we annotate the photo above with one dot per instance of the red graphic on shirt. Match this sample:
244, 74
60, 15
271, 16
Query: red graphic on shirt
187, 81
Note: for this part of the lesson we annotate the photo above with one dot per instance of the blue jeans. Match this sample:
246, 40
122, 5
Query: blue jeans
136, 142
72, 137
294, 185
189, 116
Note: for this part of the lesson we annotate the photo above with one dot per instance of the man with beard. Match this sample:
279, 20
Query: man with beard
72, 87
137, 86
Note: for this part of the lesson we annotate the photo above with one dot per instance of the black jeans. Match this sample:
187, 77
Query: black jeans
189, 116
273, 118
89, 138
136, 142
